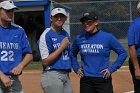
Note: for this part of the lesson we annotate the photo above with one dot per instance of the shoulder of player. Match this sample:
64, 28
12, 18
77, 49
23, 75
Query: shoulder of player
106, 34
64, 31
46, 31
16, 26
136, 21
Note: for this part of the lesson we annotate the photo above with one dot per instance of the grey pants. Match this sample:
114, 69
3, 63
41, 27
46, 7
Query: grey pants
15, 88
56, 82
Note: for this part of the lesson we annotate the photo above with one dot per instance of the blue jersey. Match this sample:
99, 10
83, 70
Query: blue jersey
95, 53
48, 43
13, 44
134, 35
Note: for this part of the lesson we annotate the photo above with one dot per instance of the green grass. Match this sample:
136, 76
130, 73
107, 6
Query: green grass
124, 64
34, 66
38, 65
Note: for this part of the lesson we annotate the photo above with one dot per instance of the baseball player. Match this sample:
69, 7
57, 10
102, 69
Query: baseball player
134, 50
95, 46
13, 46
54, 46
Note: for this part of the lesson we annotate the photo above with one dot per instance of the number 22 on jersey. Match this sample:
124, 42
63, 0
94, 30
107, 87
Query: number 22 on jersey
7, 55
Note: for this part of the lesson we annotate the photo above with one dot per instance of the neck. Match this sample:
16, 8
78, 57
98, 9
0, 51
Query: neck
94, 31
56, 29
4, 24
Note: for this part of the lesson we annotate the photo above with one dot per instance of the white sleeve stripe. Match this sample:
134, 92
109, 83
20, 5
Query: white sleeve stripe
43, 46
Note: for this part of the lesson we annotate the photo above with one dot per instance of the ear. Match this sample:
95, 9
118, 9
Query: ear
97, 22
66, 18
50, 18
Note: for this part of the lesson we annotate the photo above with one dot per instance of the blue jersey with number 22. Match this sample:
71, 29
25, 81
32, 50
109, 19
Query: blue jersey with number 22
13, 44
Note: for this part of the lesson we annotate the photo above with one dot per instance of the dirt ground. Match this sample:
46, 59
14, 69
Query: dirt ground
121, 81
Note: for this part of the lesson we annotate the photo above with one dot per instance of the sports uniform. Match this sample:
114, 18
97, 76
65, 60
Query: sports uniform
95, 51
13, 45
134, 50
55, 76
49, 42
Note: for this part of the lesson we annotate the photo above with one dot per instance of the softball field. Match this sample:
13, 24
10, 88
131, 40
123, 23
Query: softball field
122, 82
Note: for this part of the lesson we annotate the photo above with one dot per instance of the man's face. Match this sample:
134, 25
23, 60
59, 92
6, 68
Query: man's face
58, 20
89, 25
6, 15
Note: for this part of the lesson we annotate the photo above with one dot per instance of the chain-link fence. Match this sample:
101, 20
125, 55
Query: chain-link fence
115, 16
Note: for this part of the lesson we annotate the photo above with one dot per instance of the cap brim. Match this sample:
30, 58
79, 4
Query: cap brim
87, 17
10, 8
16, 7
58, 13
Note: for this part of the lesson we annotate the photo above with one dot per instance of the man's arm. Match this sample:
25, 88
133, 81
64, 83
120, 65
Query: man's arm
17, 70
53, 56
116, 46
134, 60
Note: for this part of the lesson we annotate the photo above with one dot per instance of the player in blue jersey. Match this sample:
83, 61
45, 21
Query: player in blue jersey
134, 51
95, 46
54, 46
13, 46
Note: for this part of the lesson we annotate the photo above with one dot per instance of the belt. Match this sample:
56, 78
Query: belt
61, 70
13, 77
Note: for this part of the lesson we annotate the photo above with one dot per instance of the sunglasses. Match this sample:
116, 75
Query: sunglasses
88, 21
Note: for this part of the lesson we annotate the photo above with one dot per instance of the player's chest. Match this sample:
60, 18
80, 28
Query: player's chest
9, 37
56, 40
92, 46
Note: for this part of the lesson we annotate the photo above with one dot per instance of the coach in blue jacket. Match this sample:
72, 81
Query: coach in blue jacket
95, 46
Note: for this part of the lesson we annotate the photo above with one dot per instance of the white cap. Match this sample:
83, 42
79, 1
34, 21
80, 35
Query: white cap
138, 6
58, 11
7, 5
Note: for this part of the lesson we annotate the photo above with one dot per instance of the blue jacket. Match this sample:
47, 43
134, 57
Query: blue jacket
95, 53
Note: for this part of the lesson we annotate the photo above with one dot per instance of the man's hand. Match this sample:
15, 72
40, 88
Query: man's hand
6, 80
17, 70
137, 73
65, 42
106, 74
80, 73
